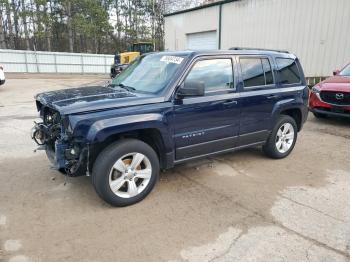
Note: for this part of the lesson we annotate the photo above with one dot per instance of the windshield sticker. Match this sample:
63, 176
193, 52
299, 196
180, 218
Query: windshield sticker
172, 59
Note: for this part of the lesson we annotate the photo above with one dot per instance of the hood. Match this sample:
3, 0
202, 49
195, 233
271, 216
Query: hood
93, 98
336, 83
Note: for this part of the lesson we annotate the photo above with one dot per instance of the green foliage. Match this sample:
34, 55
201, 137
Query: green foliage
98, 26
90, 19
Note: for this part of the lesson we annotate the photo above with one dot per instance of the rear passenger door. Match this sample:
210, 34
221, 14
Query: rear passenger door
257, 98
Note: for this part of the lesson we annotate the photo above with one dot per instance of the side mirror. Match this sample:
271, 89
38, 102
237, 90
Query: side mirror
191, 88
336, 72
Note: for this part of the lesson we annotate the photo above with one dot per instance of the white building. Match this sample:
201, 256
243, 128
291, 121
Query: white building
317, 31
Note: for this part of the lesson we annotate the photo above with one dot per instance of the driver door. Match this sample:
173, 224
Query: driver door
207, 124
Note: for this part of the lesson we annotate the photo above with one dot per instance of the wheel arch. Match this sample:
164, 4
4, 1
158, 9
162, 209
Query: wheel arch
291, 108
296, 114
151, 136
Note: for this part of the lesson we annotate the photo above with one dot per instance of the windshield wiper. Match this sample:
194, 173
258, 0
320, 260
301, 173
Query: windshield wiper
128, 88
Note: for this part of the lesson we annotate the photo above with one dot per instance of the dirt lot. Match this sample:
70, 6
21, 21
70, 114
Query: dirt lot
234, 207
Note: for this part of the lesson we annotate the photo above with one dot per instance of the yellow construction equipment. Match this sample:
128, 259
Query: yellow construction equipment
121, 60
128, 57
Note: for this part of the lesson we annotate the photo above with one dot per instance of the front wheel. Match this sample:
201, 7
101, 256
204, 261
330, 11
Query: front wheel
282, 138
125, 172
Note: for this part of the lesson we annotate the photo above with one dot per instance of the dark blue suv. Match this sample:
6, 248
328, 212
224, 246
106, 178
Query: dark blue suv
170, 107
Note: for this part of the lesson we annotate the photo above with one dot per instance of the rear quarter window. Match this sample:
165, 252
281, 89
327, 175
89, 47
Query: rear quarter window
288, 71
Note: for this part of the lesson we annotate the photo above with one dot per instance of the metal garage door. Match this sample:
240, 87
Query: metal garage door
202, 41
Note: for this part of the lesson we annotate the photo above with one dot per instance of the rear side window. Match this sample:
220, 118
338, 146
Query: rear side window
268, 71
288, 71
256, 71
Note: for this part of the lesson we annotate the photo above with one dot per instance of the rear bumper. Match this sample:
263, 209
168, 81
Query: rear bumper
305, 114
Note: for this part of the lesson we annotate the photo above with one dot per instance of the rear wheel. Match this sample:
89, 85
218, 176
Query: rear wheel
125, 172
282, 138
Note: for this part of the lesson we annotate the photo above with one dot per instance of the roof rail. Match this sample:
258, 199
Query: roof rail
260, 49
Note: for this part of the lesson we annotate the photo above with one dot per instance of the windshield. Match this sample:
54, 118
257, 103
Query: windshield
345, 71
150, 73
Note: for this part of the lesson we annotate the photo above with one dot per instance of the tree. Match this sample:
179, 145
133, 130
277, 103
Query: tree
10, 41
94, 26
14, 9
2, 33
23, 15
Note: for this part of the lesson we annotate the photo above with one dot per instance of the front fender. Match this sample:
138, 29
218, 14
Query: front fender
104, 128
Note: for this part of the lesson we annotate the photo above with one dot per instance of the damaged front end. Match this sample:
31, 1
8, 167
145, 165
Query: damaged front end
54, 135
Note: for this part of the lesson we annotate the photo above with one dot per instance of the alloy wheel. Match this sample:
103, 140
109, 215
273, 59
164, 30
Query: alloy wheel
285, 138
130, 175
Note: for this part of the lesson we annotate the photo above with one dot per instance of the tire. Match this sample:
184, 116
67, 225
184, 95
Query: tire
280, 145
118, 167
318, 115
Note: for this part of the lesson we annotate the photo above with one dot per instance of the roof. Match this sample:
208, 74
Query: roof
201, 7
179, 53
235, 51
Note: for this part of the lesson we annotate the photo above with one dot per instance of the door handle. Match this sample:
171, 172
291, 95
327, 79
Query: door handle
230, 102
272, 96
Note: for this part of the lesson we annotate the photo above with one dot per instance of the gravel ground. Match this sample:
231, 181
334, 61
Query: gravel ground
233, 207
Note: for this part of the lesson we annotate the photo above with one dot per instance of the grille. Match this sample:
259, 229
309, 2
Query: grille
333, 97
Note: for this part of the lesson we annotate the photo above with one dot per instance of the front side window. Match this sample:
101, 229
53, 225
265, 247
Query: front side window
150, 73
288, 71
215, 73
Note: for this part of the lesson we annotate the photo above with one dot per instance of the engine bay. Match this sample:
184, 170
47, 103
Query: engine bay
48, 131
49, 135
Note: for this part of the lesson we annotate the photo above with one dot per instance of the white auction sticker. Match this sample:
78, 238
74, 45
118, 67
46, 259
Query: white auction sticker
172, 59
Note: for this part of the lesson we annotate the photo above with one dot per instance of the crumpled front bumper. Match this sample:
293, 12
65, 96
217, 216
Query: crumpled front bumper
63, 156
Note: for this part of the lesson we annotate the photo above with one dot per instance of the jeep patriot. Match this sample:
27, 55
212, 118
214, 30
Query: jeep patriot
168, 108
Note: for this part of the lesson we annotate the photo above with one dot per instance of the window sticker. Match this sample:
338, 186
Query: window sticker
172, 59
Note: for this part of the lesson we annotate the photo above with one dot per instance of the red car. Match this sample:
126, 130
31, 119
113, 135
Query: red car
331, 97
